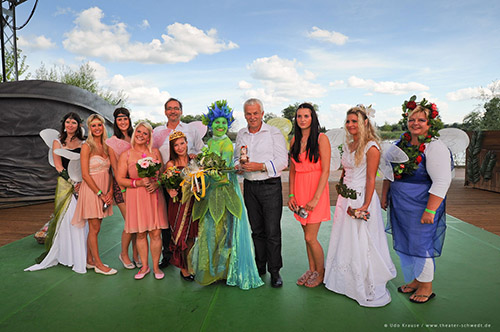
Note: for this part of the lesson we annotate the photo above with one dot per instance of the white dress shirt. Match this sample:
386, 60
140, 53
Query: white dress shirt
265, 146
195, 142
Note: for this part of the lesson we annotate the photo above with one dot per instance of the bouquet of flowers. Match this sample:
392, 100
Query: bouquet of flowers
171, 179
358, 214
147, 167
206, 163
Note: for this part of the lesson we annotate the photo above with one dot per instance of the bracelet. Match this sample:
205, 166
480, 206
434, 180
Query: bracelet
124, 190
430, 211
99, 193
133, 184
291, 195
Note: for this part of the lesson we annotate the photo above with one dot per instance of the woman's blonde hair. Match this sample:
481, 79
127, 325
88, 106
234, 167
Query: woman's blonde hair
420, 109
146, 125
366, 132
91, 139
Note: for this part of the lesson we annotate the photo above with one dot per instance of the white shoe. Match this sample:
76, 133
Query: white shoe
90, 266
129, 266
109, 273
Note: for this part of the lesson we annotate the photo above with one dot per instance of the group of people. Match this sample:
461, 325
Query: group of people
243, 242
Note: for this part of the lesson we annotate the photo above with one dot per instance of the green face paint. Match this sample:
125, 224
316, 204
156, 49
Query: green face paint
219, 126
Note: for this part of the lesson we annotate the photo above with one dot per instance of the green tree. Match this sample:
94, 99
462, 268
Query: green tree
22, 67
269, 116
83, 77
153, 124
491, 115
190, 118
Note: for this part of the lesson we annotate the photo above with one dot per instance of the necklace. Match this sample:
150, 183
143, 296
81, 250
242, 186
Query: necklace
414, 153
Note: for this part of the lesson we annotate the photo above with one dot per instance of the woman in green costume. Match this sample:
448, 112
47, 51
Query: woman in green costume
224, 248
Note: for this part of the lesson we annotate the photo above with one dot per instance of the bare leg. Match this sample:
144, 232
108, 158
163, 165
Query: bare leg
142, 248
318, 256
156, 245
94, 228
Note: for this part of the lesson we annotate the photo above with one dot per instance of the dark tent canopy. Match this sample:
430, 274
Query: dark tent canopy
27, 107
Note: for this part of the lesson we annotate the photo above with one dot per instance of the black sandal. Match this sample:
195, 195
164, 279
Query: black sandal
420, 295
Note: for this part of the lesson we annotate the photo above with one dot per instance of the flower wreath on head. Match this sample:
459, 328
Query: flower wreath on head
414, 152
219, 109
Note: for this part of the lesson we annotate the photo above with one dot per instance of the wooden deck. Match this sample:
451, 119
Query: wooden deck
475, 206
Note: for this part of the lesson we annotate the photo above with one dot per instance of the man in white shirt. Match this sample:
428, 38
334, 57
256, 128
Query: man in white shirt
267, 157
173, 112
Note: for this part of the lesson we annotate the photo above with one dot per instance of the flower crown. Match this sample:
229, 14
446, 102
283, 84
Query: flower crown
435, 122
369, 111
217, 110
175, 135
414, 152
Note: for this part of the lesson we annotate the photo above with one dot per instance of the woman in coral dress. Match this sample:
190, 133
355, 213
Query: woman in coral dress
146, 210
358, 263
309, 170
96, 191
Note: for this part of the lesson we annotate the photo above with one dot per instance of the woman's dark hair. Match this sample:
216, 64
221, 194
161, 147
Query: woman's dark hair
312, 147
63, 135
116, 131
173, 155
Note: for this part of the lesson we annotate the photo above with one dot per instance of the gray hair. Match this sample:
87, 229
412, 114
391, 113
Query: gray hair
253, 101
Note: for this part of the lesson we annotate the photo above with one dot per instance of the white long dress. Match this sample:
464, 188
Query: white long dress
358, 263
69, 245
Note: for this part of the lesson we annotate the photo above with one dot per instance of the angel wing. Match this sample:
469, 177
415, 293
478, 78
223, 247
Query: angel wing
390, 154
118, 145
49, 136
199, 127
455, 139
337, 139
284, 125
74, 166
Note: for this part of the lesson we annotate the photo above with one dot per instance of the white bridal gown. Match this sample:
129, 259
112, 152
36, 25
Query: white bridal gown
358, 263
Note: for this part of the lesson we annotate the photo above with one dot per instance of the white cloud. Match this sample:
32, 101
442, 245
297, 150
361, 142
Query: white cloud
35, 43
336, 83
493, 89
335, 117
144, 24
140, 93
244, 85
463, 94
101, 73
182, 43
388, 87
63, 11
282, 81
328, 36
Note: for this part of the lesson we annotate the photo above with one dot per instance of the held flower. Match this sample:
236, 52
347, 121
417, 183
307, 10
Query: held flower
144, 164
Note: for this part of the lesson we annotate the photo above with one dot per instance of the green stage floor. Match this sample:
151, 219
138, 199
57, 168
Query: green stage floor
57, 299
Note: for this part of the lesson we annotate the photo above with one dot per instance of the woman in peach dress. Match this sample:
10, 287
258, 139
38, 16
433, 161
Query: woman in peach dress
96, 190
146, 210
309, 170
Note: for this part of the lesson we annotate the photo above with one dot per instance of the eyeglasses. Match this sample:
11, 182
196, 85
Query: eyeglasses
173, 109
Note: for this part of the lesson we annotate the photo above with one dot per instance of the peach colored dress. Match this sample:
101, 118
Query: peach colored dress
307, 176
145, 211
89, 205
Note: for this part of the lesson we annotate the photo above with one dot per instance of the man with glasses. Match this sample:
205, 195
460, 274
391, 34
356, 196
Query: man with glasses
173, 112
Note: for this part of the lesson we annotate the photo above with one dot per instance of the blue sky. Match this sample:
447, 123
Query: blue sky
333, 53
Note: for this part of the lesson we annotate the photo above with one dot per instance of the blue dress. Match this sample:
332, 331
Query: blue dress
413, 241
